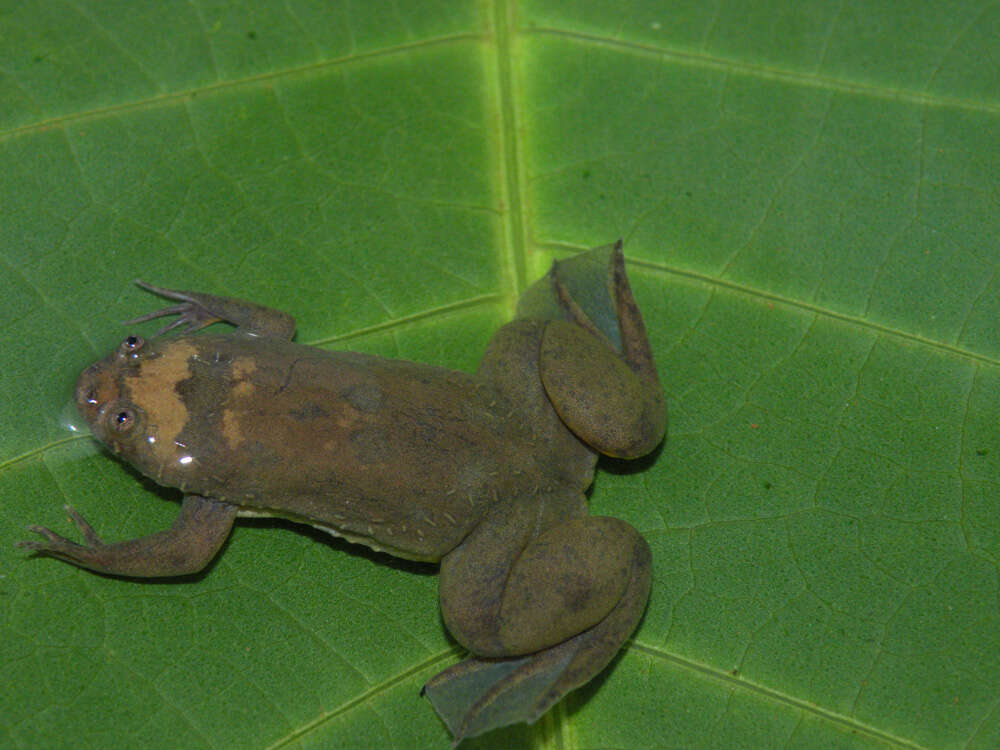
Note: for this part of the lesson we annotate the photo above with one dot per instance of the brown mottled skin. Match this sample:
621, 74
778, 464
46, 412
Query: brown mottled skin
485, 473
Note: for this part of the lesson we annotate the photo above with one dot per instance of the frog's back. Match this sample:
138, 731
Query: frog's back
398, 455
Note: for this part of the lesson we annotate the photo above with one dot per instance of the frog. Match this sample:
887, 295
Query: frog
484, 473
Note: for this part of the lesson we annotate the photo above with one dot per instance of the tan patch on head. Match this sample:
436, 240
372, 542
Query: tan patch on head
231, 429
242, 368
153, 390
242, 388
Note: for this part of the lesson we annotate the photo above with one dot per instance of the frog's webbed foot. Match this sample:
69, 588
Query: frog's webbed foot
186, 547
197, 310
477, 695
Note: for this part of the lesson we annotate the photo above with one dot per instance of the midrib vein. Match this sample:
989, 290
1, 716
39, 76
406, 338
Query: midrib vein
504, 30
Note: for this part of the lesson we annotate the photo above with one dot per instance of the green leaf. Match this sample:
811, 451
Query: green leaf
810, 203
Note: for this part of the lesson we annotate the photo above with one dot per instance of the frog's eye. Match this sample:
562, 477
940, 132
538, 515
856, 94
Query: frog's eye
131, 345
123, 419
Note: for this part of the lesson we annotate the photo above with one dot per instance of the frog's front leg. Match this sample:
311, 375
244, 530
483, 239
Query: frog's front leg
198, 310
186, 547
543, 598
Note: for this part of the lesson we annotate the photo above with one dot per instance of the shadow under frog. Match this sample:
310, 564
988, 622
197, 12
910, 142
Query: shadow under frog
485, 473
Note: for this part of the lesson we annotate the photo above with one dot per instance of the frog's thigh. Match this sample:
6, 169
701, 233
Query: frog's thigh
564, 582
597, 395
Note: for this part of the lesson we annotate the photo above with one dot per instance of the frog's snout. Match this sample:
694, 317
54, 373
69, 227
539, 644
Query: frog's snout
94, 389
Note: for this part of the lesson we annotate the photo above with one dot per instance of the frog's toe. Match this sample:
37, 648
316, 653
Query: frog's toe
85, 528
52, 537
162, 291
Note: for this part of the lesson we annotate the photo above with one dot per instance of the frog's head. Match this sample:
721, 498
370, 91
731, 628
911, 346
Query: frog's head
131, 403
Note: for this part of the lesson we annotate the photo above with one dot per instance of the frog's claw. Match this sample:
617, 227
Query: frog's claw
191, 313
198, 310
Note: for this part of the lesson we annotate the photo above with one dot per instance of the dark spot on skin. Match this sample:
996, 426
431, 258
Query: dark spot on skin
371, 445
261, 455
768, 485
982, 452
364, 397
309, 411
577, 590
288, 375
251, 35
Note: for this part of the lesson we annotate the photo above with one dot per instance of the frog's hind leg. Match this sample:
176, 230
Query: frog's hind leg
541, 617
595, 359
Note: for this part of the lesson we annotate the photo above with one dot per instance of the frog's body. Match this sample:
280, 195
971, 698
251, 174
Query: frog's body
484, 472
333, 439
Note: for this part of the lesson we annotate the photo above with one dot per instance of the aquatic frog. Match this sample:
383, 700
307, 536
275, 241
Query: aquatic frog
485, 473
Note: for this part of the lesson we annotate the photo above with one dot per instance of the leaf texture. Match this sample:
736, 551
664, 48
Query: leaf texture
809, 198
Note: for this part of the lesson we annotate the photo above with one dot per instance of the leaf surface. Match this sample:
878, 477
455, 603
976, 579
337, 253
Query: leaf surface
809, 199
